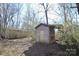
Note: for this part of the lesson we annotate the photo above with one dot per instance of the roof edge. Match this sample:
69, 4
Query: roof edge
40, 25
56, 25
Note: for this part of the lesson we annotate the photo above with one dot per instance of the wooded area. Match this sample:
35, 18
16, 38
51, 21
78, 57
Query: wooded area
18, 21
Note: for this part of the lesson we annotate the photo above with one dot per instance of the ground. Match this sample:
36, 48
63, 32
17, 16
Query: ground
14, 47
45, 49
27, 47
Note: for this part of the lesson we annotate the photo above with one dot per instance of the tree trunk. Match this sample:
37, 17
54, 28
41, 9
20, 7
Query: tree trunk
46, 16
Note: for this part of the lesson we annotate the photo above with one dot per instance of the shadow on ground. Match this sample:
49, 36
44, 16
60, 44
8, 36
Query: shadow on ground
43, 49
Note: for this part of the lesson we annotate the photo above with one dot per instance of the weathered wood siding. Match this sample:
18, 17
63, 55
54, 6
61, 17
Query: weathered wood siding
42, 34
52, 35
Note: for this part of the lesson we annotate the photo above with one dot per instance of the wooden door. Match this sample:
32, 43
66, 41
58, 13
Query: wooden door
42, 36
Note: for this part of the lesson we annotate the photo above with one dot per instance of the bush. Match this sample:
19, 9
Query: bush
13, 34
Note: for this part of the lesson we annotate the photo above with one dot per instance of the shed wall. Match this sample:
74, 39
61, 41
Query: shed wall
42, 34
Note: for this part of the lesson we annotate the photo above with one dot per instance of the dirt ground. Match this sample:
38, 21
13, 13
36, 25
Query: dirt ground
14, 47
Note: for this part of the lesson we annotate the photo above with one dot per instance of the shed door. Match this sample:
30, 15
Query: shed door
42, 36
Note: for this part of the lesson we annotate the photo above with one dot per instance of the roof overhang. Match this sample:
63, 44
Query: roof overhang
58, 26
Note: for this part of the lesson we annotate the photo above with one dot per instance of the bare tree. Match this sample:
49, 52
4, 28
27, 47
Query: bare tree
45, 6
19, 8
8, 11
31, 18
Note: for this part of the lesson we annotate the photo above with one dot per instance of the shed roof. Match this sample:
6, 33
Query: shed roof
54, 26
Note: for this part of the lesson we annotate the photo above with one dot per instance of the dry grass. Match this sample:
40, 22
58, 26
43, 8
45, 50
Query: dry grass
13, 34
14, 47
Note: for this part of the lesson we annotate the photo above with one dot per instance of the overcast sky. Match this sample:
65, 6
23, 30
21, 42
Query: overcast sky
52, 15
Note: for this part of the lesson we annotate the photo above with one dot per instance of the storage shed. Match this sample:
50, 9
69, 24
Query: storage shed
46, 33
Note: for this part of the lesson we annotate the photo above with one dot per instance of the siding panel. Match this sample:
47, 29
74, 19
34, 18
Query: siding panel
45, 31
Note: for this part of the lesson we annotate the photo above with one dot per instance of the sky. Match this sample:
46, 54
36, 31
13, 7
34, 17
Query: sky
53, 16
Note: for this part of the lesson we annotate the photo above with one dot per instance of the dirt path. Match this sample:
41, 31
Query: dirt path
14, 47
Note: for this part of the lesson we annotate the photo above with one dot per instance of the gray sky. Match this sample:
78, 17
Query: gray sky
52, 15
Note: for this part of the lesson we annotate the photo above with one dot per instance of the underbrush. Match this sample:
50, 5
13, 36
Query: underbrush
15, 34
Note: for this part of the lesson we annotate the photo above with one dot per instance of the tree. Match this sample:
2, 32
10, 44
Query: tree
19, 8
45, 6
69, 17
8, 11
30, 20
